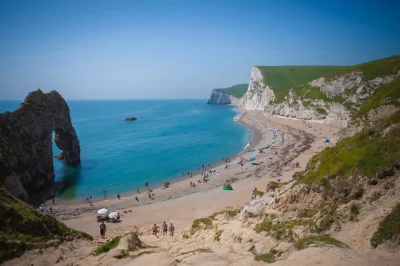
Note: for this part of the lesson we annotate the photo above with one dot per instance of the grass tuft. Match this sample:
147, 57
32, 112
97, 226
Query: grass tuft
266, 257
107, 246
388, 228
319, 239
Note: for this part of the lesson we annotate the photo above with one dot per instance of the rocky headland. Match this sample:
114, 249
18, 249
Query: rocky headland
26, 156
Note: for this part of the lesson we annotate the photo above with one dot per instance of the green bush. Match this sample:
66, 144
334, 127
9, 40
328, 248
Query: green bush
217, 236
107, 246
388, 228
267, 257
354, 212
307, 213
318, 239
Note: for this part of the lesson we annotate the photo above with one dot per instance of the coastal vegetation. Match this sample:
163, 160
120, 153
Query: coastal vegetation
266, 257
24, 228
107, 246
357, 154
388, 228
237, 90
318, 240
283, 78
278, 230
388, 94
372, 69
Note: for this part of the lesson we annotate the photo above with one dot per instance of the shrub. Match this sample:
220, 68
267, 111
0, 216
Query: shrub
107, 246
388, 228
307, 213
266, 257
354, 212
217, 236
318, 239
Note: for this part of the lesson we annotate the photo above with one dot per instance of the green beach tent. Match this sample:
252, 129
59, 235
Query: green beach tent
227, 187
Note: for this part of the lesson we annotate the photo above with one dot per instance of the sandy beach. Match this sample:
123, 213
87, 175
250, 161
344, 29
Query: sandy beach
294, 140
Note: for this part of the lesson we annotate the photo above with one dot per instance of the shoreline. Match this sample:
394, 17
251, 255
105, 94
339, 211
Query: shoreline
255, 139
181, 204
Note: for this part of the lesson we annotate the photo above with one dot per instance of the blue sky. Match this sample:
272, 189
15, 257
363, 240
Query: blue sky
180, 49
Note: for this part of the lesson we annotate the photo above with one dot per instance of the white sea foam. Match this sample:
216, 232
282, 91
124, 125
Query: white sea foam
245, 147
237, 117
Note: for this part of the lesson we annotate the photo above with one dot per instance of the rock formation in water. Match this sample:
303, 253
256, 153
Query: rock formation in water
130, 118
26, 156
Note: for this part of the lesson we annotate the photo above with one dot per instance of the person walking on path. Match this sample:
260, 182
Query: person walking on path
53, 196
103, 230
165, 229
155, 229
171, 230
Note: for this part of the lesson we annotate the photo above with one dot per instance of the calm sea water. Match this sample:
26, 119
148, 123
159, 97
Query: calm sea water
170, 136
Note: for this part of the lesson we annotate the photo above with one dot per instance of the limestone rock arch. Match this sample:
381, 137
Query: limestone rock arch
26, 156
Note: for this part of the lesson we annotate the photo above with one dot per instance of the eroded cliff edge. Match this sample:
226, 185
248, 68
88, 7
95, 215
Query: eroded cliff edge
26, 156
230, 95
329, 94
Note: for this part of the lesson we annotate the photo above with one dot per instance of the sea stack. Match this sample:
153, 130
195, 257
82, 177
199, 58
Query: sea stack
26, 155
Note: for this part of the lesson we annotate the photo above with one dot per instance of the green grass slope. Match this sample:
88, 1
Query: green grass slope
366, 153
237, 90
284, 78
23, 228
388, 94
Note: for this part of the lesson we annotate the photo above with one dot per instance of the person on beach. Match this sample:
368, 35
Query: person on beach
118, 196
103, 230
171, 229
136, 198
165, 229
105, 195
155, 230
137, 190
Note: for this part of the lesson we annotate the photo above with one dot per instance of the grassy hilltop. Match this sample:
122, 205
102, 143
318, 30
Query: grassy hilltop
237, 90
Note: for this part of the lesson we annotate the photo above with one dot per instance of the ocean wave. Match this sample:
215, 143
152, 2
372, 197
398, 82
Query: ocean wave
237, 117
245, 147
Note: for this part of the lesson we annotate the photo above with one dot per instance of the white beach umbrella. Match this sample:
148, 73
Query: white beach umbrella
102, 211
113, 215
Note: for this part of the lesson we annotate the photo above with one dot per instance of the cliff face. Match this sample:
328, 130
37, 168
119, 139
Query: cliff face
230, 95
26, 157
219, 97
329, 100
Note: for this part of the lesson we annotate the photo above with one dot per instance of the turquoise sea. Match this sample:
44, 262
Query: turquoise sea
170, 136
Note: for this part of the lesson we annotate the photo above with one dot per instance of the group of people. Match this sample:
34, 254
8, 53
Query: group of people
167, 184
296, 164
43, 209
164, 229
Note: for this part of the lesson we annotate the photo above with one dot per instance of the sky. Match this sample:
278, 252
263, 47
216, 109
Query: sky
181, 49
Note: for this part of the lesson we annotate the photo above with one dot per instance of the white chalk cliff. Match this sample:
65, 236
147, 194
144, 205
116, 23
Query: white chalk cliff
220, 97
352, 87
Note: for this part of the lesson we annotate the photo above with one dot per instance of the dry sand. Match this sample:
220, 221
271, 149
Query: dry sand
181, 204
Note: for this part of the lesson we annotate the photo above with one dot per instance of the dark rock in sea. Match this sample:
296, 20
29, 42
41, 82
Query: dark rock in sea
130, 118
26, 165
